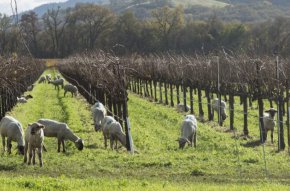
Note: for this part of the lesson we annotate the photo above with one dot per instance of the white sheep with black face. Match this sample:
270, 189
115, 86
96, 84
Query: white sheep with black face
216, 106
62, 132
188, 131
99, 112
269, 122
12, 129
34, 138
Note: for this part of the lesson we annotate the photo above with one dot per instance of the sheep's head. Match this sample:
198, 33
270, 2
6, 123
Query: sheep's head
271, 112
182, 141
20, 150
35, 128
79, 144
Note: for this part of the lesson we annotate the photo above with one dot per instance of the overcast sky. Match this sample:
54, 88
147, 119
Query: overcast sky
23, 5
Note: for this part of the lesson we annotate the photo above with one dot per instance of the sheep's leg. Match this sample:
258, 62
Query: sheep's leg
30, 156
266, 133
33, 156
191, 140
212, 113
63, 148
64, 93
25, 152
3, 143
9, 145
40, 156
58, 145
112, 142
72, 94
194, 140
105, 140
272, 131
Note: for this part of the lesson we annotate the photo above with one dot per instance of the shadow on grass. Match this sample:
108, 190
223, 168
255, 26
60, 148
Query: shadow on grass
253, 143
7, 167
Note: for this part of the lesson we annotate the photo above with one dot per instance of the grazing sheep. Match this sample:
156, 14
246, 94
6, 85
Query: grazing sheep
42, 79
113, 130
99, 112
34, 138
57, 83
215, 107
24, 99
188, 131
70, 88
30, 88
62, 132
12, 129
269, 122
48, 77
180, 108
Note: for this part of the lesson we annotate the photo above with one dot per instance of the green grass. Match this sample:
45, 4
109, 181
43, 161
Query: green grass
214, 165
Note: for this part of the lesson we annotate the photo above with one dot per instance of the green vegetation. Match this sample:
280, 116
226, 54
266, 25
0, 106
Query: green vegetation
218, 163
205, 3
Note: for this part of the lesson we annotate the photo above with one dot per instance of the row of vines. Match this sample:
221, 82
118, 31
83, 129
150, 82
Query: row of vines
225, 75
16, 75
100, 77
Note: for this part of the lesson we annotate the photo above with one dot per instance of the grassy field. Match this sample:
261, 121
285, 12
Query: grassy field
218, 163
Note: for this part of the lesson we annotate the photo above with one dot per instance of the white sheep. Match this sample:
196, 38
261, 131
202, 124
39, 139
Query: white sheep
188, 131
23, 99
112, 130
12, 129
269, 122
215, 107
99, 112
57, 83
70, 88
180, 108
42, 79
62, 132
34, 138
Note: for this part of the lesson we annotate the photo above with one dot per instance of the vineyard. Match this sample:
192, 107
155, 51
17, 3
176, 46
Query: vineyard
142, 93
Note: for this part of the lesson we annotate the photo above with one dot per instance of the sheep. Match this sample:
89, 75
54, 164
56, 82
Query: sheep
188, 131
215, 107
99, 112
70, 88
24, 99
269, 122
48, 77
180, 108
42, 79
113, 130
34, 138
12, 129
57, 83
30, 88
62, 132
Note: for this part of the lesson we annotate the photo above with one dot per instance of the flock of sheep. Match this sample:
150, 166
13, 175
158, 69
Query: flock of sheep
11, 128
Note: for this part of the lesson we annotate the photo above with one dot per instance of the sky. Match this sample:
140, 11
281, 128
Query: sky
23, 5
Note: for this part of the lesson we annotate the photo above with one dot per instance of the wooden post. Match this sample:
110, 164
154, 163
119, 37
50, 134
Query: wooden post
166, 93
177, 94
155, 91
245, 106
201, 113
261, 107
231, 104
191, 99
160, 92
151, 90
209, 112
171, 95
184, 98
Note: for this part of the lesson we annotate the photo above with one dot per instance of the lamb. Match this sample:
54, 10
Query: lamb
12, 129
180, 108
215, 107
269, 122
24, 99
113, 130
70, 88
188, 131
62, 132
99, 112
34, 138
57, 83
42, 79
48, 77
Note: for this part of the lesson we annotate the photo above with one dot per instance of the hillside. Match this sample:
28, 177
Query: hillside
227, 10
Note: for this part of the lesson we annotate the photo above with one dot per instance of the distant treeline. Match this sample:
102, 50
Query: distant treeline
86, 27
